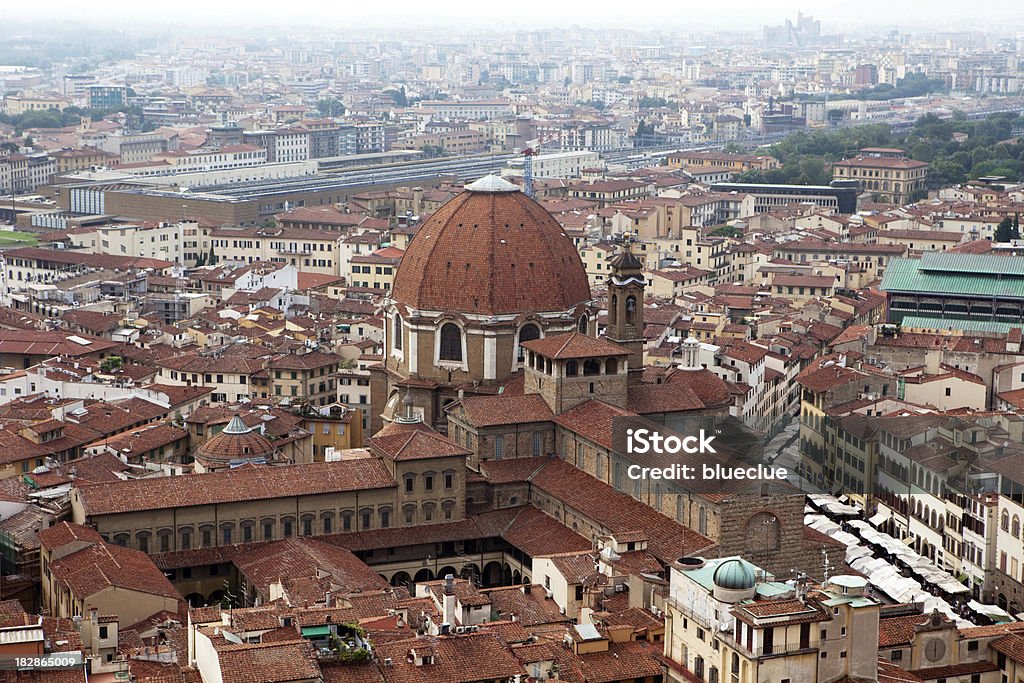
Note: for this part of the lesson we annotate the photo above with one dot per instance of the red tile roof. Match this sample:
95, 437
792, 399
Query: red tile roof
488, 411
104, 565
574, 345
893, 631
491, 253
617, 511
418, 444
593, 421
292, 560
37, 343
456, 659
242, 484
63, 533
277, 662
647, 399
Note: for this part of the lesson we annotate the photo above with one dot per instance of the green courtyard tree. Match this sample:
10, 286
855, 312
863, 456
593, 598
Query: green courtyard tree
1004, 231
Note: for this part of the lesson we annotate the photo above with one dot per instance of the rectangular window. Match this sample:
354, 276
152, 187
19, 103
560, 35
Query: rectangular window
268, 531
428, 482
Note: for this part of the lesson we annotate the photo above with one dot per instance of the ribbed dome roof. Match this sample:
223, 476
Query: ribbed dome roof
236, 442
491, 250
734, 574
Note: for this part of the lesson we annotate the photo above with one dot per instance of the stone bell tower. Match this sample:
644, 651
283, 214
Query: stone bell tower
626, 307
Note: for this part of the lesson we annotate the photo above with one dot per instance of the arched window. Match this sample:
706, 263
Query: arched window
611, 366
1015, 527
451, 342
613, 309
591, 366
396, 332
583, 326
630, 310
538, 443
499, 447
1004, 521
526, 333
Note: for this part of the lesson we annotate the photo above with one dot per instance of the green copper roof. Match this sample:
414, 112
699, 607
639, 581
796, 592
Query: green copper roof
907, 276
921, 322
705, 575
735, 574
974, 264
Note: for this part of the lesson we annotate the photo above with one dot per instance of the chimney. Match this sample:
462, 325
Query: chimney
932, 358
449, 600
327, 599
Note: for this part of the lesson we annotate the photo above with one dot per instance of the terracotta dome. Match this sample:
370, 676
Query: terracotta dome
235, 443
491, 250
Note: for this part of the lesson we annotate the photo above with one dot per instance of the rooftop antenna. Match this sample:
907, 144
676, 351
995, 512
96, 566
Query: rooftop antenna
826, 565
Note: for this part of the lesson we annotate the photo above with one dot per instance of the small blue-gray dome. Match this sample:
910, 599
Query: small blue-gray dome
734, 574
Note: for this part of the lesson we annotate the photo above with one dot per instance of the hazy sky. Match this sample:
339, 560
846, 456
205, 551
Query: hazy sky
837, 15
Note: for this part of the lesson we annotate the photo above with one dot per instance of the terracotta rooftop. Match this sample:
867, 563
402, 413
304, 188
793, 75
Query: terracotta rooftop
487, 411
491, 253
242, 484
574, 345
417, 444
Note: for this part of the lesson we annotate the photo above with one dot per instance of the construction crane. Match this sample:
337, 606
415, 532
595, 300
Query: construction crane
531, 150
528, 171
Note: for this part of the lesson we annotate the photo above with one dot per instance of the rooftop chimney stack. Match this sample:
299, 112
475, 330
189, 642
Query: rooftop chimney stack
449, 600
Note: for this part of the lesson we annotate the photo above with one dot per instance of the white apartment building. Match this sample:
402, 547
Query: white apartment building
557, 165
231, 156
181, 243
310, 251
